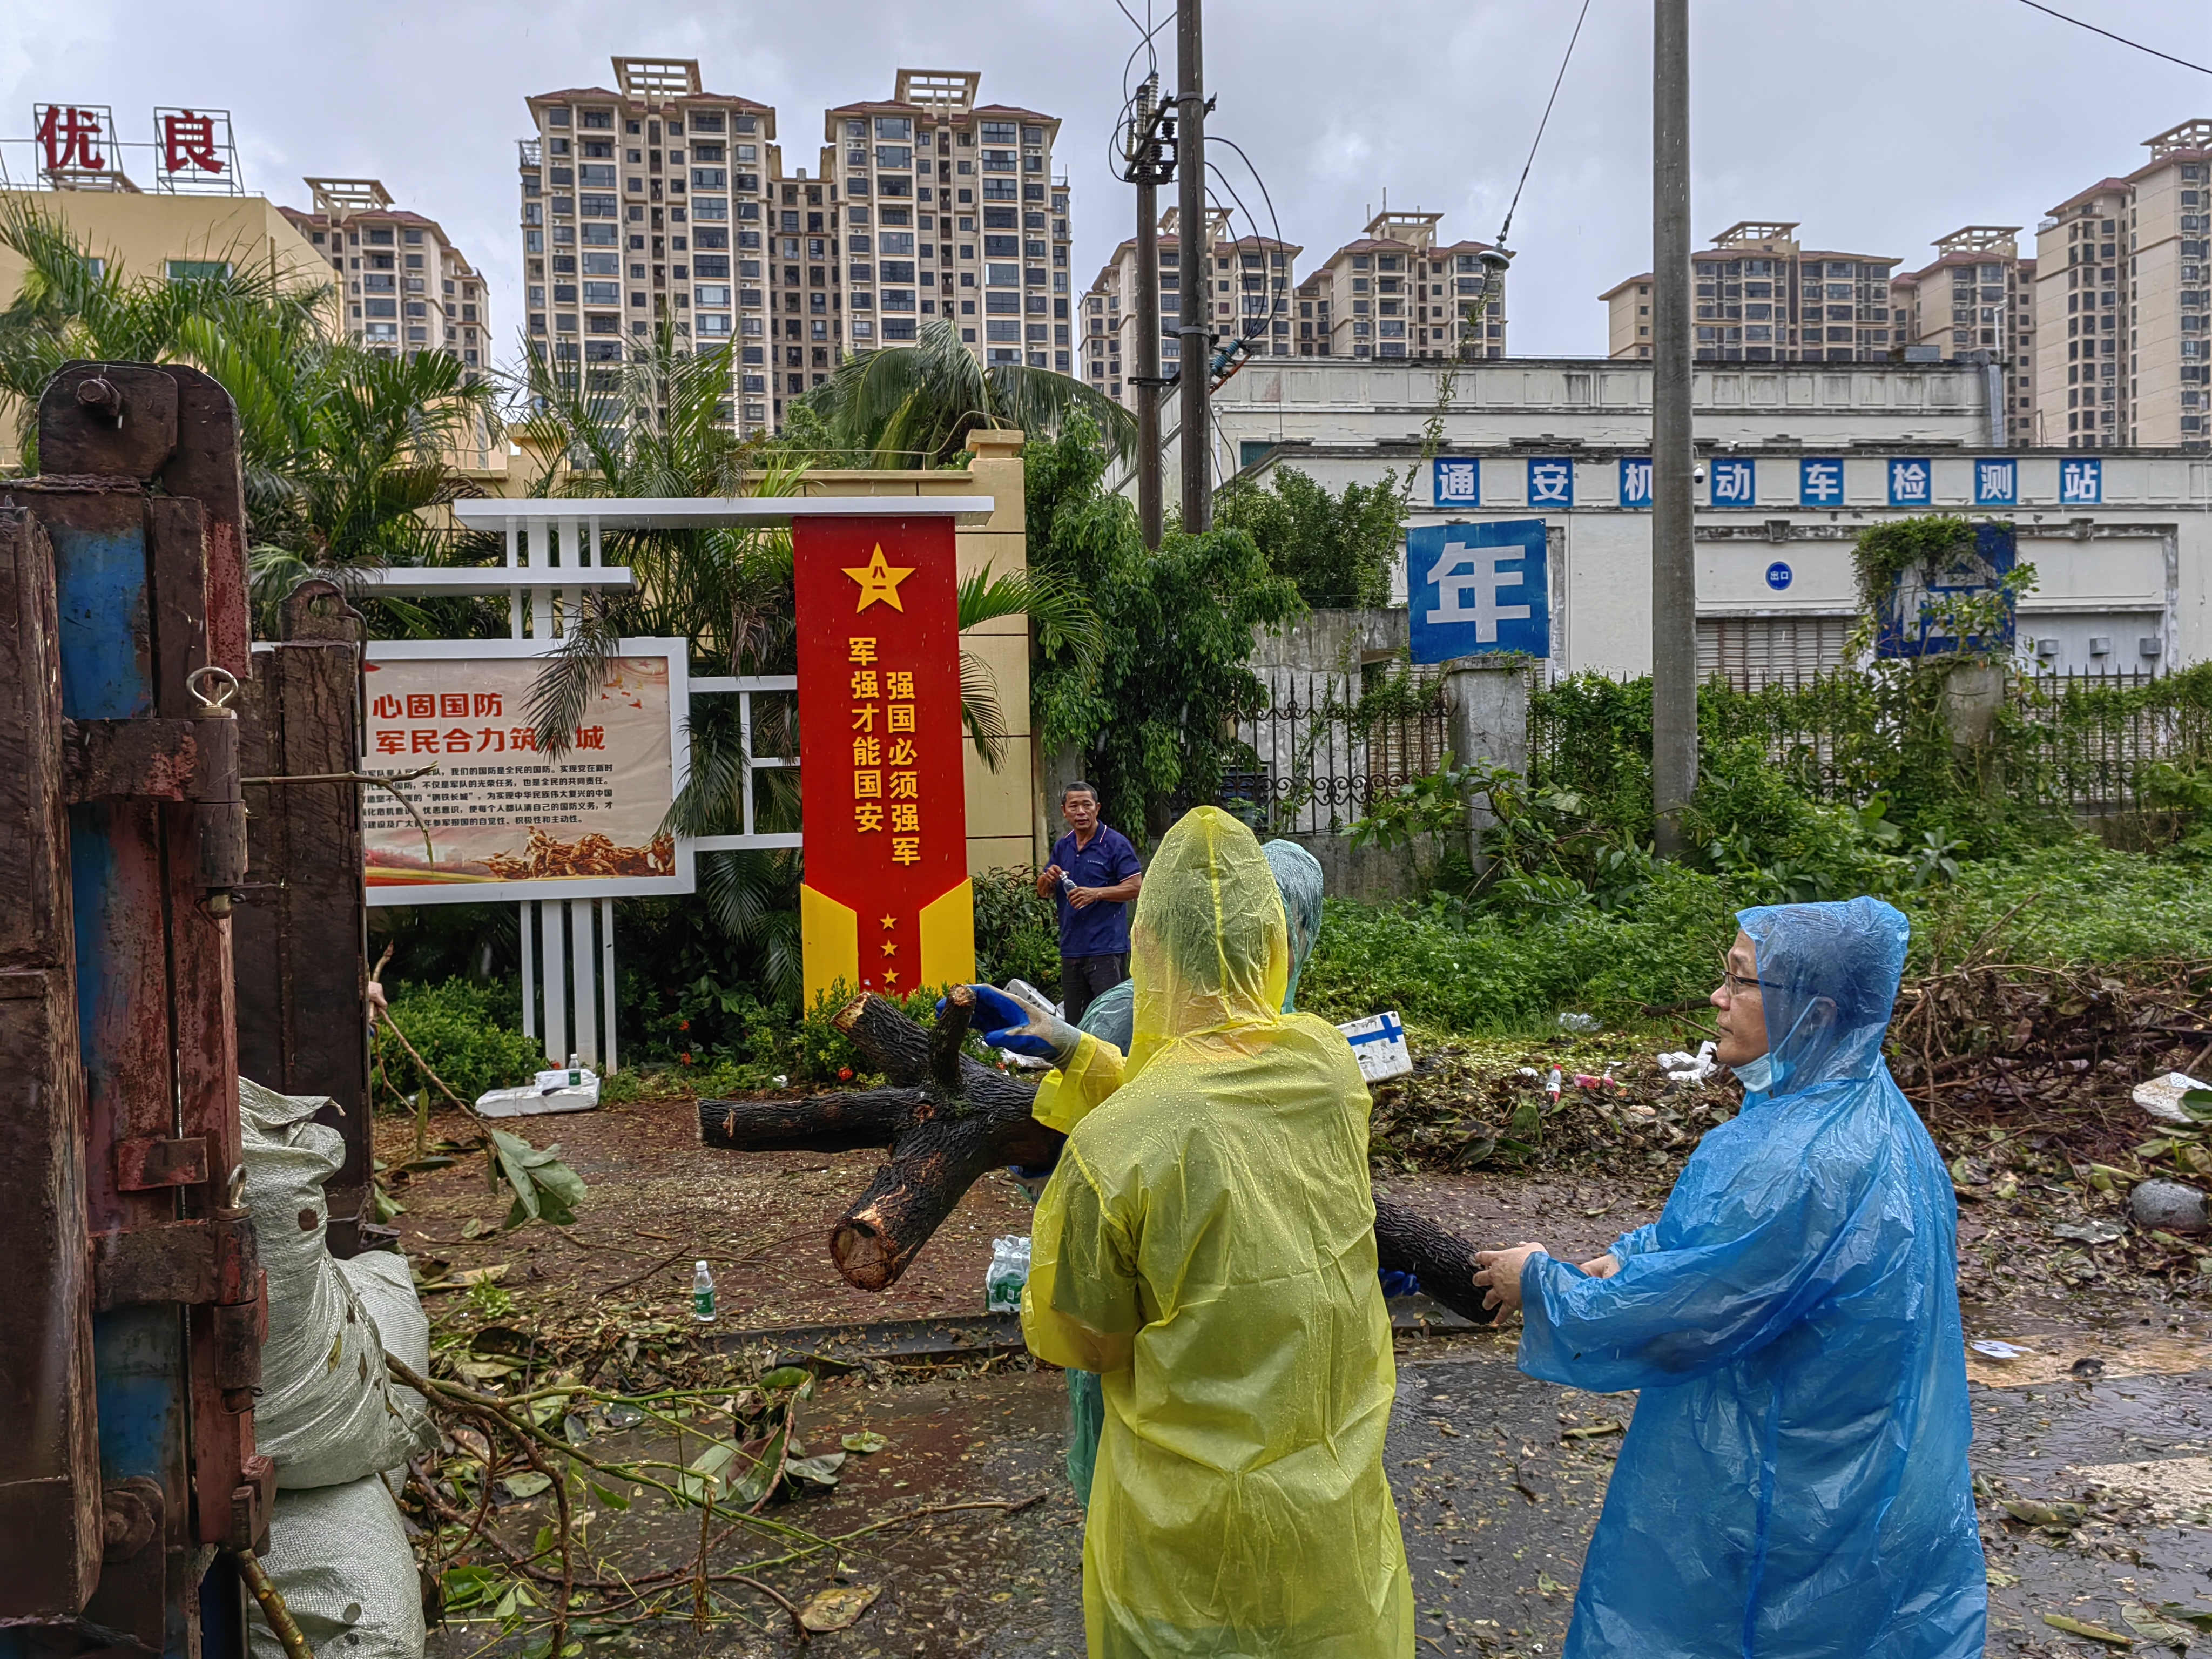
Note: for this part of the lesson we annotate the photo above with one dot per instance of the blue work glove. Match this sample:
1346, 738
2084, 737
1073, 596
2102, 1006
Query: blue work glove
1006, 1021
1396, 1284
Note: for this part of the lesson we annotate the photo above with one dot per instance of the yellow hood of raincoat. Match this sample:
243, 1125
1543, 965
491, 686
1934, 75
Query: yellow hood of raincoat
1207, 1243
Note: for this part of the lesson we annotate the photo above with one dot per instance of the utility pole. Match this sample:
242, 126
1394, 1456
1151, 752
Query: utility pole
1148, 169
1195, 355
1673, 563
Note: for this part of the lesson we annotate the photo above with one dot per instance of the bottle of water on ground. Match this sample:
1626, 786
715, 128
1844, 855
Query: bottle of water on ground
702, 1294
1009, 1272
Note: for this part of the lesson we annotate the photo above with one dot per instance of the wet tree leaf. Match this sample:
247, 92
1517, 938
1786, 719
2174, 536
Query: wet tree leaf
527, 1486
2094, 1633
838, 1608
867, 1440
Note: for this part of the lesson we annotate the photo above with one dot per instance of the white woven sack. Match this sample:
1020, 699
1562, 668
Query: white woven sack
340, 1557
385, 1287
326, 1413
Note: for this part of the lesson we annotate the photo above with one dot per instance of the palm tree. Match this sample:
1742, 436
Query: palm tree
915, 406
344, 450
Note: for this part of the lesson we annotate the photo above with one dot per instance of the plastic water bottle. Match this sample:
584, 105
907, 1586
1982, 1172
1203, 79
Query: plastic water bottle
702, 1294
1009, 1272
1066, 883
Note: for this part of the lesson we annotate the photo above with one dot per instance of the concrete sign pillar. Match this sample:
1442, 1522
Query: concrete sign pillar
1486, 719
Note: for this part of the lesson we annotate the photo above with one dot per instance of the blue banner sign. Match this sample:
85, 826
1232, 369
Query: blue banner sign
1477, 588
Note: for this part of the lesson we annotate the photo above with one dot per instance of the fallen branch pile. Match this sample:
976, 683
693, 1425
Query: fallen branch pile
947, 1119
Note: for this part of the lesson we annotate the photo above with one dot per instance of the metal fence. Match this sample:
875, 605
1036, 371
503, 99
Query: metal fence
2080, 740
1315, 755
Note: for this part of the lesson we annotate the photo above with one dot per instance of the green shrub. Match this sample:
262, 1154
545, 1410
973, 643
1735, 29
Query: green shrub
466, 1033
1017, 933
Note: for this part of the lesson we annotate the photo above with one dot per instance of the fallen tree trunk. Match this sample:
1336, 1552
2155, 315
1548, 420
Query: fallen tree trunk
947, 1119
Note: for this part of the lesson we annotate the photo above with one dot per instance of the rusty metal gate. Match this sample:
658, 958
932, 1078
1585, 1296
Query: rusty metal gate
130, 1341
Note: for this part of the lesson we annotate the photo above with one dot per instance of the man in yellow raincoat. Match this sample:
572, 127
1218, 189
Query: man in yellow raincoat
1207, 1243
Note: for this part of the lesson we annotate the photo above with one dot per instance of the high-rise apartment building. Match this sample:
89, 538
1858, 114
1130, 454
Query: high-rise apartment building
1249, 281
1759, 297
1397, 292
2123, 304
403, 286
659, 203
646, 203
952, 210
1979, 296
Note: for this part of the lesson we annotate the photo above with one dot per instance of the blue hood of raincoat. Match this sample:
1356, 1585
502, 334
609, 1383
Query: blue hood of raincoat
1794, 1484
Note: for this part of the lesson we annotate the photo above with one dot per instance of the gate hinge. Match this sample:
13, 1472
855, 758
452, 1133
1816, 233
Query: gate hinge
210, 1260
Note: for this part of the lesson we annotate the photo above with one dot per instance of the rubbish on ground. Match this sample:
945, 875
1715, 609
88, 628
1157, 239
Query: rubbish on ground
2088, 1370
1008, 1272
1999, 1350
1584, 1080
1609, 1426
1574, 1022
702, 1294
466, 1277
838, 1608
1551, 1086
2099, 1231
2094, 1633
1378, 1043
1683, 1067
2171, 1205
2161, 1096
571, 1088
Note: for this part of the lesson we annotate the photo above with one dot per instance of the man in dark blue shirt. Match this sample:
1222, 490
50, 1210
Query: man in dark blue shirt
1094, 874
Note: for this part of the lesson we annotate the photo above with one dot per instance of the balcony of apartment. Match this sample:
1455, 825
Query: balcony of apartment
531, 151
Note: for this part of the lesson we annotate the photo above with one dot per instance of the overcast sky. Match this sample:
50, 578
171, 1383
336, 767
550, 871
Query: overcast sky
1879, 125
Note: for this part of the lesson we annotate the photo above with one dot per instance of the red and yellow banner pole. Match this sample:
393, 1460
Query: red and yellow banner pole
886, 905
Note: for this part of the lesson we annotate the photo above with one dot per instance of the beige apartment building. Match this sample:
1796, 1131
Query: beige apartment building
660, 202
2123, 305
1979, 296
1759, 297
152, 234
952, 209
1249, 281
402, 285
1397, 292
631, 196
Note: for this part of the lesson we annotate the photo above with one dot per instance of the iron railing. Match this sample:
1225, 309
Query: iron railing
1315, 754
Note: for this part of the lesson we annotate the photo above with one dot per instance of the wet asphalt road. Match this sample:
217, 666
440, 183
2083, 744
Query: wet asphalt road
1497, 1496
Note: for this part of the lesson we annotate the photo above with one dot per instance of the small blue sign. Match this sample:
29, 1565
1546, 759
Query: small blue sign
1821, 481
1457, 481
1636, 481
1912, 481
1996, 481
2081, 483
1550, 480
1778, 575
1908, 624
1475, 588
1736, 482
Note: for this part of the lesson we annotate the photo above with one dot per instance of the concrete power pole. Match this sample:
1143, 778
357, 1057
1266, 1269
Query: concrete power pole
1195, 354
1673, 563
1146, 154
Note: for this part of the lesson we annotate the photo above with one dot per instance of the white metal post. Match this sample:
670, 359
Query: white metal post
556, 983
585, 961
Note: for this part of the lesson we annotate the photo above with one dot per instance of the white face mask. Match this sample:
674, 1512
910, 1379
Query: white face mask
1755, 1075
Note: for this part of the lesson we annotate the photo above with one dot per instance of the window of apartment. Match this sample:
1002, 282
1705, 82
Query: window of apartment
602, 121
893, 126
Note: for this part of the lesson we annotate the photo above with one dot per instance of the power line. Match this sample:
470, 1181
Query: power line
1557, 82
2033, 6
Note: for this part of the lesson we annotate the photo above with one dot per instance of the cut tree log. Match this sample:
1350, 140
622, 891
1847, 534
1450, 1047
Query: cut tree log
947, 1119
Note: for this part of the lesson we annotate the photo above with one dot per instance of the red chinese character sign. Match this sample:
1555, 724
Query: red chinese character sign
193, 152
75, 139
886, 905
499, 819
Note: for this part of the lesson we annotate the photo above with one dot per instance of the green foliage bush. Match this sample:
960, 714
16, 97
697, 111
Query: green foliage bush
1017, 933
469, 1034
1338, 549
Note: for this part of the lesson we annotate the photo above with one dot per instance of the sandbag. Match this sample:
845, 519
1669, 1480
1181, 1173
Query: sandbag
341, 1558
327, 1414
385, 1287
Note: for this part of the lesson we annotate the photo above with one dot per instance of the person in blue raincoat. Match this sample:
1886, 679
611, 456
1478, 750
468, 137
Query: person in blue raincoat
1794, 1484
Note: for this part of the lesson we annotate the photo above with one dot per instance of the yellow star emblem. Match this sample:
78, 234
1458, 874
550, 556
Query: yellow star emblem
891, 921
891, 976
890, 948
880, 581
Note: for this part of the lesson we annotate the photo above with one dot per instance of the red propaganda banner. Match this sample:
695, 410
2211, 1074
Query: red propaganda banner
886, 905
